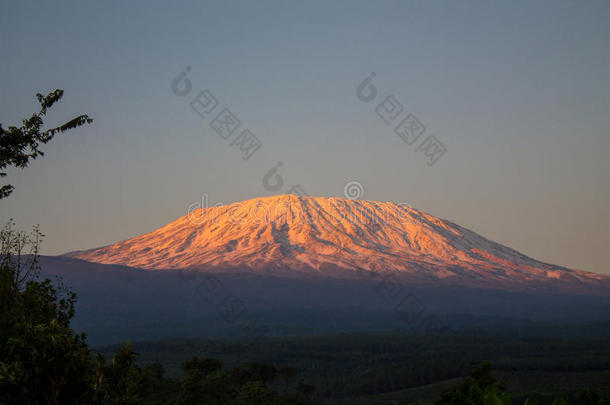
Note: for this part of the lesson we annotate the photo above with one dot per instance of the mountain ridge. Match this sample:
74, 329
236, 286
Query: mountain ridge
293, 235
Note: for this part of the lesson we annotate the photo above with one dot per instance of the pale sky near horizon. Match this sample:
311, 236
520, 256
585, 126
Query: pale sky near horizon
517, 91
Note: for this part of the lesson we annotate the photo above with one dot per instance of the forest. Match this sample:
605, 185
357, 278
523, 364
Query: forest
390, 367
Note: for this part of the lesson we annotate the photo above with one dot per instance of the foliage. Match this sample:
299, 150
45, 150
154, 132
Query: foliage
205, 366
249, 372
20, 144
41, 359
482, 388
19, 254
255, 393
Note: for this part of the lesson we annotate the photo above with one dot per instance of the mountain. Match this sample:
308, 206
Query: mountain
295, 236
118, 303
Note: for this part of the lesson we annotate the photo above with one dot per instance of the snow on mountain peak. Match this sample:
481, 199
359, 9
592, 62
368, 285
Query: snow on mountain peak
293, 235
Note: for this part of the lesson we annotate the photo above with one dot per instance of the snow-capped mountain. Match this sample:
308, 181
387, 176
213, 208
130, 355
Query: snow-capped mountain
299, 236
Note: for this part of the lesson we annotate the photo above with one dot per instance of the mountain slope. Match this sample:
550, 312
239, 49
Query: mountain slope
292, 235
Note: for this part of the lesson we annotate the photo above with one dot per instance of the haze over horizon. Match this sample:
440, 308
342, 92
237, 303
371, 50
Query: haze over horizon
517, 92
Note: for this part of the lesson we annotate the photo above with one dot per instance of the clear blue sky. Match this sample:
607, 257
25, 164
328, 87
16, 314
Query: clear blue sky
517, 91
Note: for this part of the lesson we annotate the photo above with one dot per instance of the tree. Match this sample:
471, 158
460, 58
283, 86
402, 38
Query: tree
254, 371
18, 262
480, 388
20, 144
256, 393
41, 359
203, 381
205, 366
120, 379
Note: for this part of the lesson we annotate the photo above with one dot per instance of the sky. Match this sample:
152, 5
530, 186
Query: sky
516, 92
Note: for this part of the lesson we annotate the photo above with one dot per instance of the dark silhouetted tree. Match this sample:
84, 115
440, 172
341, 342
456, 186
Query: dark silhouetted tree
475, 389
205, 366
41, 359
249, 372
256, 393
20, 144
